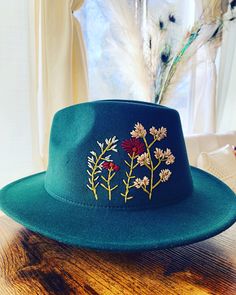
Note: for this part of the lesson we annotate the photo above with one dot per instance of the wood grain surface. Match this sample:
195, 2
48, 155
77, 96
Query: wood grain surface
32, 264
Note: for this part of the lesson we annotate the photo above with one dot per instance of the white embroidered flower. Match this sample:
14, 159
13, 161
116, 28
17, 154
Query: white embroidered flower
143, 159
161, 133
167, 153
153, 131
165, 175
138, 182
139, 131
145, 181
170, 160
158, 153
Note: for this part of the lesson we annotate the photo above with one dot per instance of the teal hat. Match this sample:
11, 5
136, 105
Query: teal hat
119, 179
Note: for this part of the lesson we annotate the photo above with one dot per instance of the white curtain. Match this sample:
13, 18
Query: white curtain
61, 68
227, 73
19, 154
42, 69
202, 103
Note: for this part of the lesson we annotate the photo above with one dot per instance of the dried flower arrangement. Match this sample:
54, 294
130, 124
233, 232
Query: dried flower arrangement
148, 60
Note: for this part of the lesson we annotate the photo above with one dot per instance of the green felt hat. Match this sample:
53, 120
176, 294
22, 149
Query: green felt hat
119, 179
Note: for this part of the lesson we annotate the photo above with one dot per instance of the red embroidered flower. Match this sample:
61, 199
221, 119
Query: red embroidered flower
133, 146
110, 165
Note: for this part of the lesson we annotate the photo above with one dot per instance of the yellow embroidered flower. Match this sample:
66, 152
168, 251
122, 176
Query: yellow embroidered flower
143, 159
165, 175
158, 153
138, 182
139, 131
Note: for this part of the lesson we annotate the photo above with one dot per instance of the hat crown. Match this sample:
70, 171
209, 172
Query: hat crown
118, 154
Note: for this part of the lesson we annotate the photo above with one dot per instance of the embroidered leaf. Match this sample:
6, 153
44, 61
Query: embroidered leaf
124, 182
90, 166
89, 187
127, 163
89, 173
96, 185
96, 172
114, 187
129, 198
114, 139
107, 158
100, 166
112, 176
100, 145
113, 147
104, 178
104, 186
96, 178
107, 141
94, 154
91, 160
90, 181
127, 174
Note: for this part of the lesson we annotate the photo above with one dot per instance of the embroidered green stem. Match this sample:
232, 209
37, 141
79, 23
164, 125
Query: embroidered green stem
156, 184
158, 164
108, 181
144, 189
152, 143
129, 177
151, 167
94, 172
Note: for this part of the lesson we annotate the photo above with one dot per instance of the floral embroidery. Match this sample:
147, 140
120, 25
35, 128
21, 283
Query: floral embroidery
111, 167
133, 146
158, 134
144, 159
164, 175
138, 131
141, 154
96, 163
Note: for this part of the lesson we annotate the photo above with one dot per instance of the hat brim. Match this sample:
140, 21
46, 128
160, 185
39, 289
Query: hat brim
209, 210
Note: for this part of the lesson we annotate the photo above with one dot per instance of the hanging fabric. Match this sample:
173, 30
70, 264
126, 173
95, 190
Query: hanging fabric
61, 69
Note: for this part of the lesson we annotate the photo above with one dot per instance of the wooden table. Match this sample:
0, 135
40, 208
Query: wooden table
32, 264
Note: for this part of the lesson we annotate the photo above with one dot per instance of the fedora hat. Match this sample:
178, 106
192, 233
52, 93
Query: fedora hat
119, 179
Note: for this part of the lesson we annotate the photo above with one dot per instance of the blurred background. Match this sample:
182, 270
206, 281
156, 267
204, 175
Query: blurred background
59, 52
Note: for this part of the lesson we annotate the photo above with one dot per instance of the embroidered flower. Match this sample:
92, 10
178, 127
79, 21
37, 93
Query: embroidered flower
133, 146
143, 159
165, 175
139, 131
158, 153
159, 134
170, 160
167, 153
102, 170
138, 182
145, 181
153, 131
110, 165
